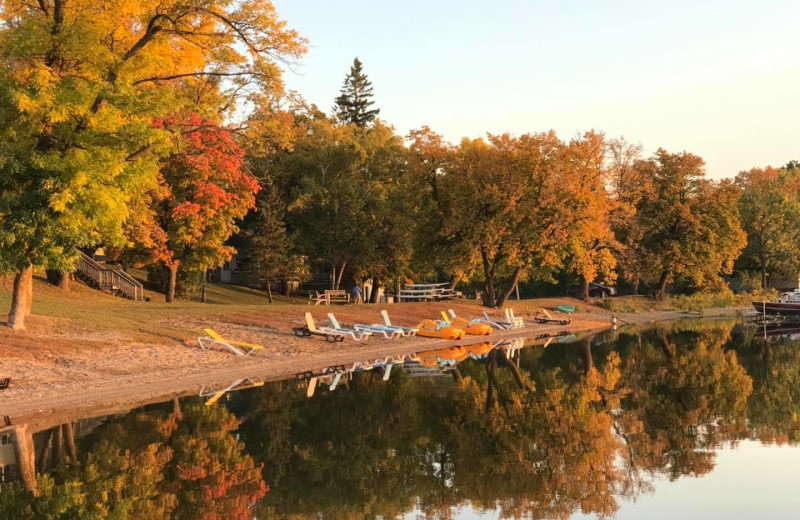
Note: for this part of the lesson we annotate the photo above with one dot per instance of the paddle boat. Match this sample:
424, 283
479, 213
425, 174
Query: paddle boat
439, 329
475, 327
478, 351
565, 309
449, 356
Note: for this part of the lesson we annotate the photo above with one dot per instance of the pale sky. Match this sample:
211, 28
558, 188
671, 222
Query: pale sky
720, 79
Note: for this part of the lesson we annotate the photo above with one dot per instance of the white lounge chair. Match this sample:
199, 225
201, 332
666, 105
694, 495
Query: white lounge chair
406, 331
311, 330
239, 348
496, 323
515, 321
386, 332
335, 328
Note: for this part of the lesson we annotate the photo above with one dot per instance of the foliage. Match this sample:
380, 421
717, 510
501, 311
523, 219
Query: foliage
202, 190
81, 83
769, 210
690, 225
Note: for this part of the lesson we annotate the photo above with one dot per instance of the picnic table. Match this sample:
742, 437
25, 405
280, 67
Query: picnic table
328, 297
427, 292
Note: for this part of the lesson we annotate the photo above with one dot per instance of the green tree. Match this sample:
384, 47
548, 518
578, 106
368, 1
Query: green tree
355, 98
770, 211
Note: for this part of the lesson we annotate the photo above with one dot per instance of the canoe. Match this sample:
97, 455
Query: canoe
565, 309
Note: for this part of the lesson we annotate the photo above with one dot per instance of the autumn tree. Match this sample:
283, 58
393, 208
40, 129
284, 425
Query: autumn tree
81, 83
343, 190
591, 245
202, 190
505, 203
429, 159
770, 210
355, 98
690, 225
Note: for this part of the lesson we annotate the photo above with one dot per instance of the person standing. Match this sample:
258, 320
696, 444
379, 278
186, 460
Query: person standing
356, 294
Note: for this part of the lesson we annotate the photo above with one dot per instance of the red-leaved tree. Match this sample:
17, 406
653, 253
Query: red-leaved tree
203, 189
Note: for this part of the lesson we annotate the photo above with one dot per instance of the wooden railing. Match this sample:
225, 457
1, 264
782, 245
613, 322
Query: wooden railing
105, 278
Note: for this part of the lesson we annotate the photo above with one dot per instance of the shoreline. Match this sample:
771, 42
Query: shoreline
58, 369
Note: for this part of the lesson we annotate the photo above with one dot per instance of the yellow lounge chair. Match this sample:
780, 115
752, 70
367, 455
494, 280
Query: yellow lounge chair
239, 384
237, 347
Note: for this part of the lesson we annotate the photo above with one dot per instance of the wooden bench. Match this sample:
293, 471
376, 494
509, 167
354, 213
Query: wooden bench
337, 296
328, 297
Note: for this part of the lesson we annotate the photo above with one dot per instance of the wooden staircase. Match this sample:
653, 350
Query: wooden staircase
117, 282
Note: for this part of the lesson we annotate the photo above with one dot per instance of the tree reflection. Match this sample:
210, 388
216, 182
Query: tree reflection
149, 464
574, 427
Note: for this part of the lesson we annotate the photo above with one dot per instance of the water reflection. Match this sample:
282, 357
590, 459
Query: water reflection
535, 432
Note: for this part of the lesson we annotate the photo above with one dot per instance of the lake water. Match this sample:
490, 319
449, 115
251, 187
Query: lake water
682, 420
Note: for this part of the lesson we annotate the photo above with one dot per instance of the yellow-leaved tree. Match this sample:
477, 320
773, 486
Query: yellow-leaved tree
81, 83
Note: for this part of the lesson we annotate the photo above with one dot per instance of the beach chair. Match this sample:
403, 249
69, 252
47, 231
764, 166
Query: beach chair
386, 332
516, 322
496, 323
335, 328
4, 383
407, 331
311, 330
239, 384
547, 318
239, 348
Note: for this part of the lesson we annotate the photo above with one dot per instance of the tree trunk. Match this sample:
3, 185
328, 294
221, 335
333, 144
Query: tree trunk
376, 285
58, 278
26, 458
173, 282
44, 453
501, 301
661, 290
454, 279
269, 290
515, 372
763, 272
21, 298
176, 409
58, 447
203, 288
339, 276
491, 368
72, 451
583, 290
635, 284
587, 354
488, 280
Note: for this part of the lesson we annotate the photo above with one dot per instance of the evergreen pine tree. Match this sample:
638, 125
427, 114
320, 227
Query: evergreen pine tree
355, 99
270, 243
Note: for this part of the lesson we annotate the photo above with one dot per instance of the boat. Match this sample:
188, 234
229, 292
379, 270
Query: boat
787, 304
565, 309
439, 329
449, 356
474, 327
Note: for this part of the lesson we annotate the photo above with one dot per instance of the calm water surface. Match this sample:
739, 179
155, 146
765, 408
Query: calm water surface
684, 420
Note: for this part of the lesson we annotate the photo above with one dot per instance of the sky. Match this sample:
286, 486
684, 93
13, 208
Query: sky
720, 79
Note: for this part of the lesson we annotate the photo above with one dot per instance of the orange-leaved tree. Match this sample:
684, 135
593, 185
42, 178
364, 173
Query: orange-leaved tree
203, 188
